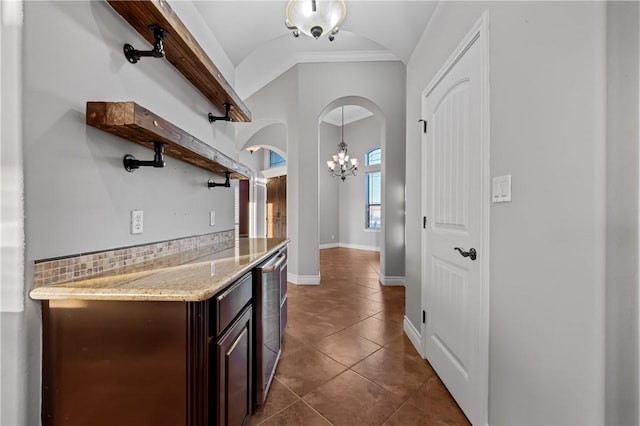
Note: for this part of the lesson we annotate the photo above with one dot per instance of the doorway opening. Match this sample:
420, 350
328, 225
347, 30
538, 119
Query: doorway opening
277, 207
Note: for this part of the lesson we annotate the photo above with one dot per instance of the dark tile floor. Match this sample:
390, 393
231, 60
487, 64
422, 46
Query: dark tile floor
345, 358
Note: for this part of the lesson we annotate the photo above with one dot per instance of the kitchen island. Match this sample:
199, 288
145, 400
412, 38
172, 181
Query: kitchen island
162, 342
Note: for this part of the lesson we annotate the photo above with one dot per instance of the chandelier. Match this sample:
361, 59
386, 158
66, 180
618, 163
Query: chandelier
315, 17
341, 165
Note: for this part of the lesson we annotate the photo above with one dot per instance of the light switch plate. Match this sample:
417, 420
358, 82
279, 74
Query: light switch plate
137, 221
212, 218
501, 189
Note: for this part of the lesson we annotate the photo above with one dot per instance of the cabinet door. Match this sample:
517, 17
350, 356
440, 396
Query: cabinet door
233, 365
114, 363
277, 207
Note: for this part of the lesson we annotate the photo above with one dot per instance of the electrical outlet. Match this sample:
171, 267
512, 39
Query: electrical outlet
136, 221
212, 218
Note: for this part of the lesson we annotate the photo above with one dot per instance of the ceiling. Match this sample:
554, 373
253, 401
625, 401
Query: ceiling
253, 34
352, 113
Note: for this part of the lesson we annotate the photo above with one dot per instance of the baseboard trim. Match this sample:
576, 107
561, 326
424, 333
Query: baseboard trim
328, 246
303, 279
413, 335
359, 247
391, 281
349, 246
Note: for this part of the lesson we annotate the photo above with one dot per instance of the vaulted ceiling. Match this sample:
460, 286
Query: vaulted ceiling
254, 36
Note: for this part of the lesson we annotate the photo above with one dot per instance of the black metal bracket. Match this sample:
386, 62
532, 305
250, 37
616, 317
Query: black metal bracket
227, 107
133, 55
424, 125
226, 184
131, 163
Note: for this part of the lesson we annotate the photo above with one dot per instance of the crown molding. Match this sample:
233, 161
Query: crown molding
346, 56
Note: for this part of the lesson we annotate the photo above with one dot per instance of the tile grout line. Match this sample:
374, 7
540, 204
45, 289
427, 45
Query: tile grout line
280, 411
336, 292
316, 411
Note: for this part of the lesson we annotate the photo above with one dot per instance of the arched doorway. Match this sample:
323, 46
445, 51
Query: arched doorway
345, 205
262, 200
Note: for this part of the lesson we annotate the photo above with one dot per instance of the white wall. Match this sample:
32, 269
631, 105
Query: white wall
623, 73
277, 103
13, 357
329, 188
362, 136
77, 194
547, 245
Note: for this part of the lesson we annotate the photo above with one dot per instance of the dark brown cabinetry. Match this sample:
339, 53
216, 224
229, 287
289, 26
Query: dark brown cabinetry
233, 355
234, 372
149, 363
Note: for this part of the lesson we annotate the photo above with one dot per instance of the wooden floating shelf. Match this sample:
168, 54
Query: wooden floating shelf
183, 52
137, 124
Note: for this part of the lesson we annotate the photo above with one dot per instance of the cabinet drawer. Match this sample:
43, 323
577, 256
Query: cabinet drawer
229, 303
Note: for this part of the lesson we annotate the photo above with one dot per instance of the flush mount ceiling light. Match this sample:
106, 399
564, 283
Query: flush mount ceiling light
252, 149
315, 18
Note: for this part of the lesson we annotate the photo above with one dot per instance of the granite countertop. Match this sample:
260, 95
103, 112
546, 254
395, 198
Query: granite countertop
192, 281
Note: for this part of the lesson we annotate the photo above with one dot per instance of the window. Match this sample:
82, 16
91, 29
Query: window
373, 199
373, 188
373, 157
276, 159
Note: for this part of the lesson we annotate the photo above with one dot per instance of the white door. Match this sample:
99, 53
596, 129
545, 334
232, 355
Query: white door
455, 205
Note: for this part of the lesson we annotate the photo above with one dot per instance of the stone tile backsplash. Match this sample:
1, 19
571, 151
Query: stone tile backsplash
129, 259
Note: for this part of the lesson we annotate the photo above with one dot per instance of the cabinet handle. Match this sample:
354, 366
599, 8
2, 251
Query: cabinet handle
276, 265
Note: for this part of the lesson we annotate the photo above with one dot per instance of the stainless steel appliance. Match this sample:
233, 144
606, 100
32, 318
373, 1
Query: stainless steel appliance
268, 303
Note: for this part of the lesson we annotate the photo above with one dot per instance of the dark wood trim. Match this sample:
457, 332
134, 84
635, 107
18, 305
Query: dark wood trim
243, 201
139, 125
198, 339
182, 51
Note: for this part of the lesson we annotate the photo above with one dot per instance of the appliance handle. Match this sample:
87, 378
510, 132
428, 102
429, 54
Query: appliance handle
270, 268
